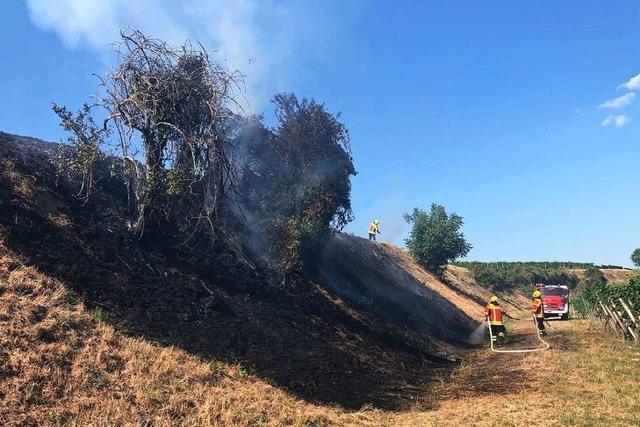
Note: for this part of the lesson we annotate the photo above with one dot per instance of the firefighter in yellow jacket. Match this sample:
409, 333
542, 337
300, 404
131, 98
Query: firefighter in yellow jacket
493, 312
537, 308
374, 228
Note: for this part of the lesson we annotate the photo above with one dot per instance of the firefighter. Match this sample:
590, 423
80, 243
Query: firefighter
493, 312
537, 308
374, 228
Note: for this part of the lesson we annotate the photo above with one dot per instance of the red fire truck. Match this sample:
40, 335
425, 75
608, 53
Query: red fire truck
555, 299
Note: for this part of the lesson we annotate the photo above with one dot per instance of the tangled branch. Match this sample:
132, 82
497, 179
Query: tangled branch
173, 104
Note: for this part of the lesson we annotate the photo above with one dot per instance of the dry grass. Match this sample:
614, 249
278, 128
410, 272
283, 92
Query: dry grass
59, 220
613, 275
584, 380
62, 365
458, 287
22, 185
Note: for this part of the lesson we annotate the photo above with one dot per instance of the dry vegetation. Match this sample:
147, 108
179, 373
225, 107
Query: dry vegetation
613, 275
87, 338
586, 379
62, 364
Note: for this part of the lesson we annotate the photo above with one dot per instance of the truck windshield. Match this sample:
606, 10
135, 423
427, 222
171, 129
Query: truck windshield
555, 292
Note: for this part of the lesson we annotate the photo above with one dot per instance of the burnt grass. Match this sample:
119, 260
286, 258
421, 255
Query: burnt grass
210, 301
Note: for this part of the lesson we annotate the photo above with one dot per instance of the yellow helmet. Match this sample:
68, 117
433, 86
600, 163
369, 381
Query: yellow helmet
376, 221
493, 299
537, 294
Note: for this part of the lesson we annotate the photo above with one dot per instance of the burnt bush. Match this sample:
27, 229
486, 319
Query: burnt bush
184, 153
297, 181
168, 108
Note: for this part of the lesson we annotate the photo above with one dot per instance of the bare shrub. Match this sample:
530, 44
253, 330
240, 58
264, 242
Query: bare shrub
171, 105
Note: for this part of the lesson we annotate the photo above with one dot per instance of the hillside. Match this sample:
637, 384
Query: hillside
385, 280
79, 296
613, 275
97, 329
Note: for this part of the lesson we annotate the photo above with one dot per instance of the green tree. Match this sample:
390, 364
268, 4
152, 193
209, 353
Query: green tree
87, 140
435, 238
635, 257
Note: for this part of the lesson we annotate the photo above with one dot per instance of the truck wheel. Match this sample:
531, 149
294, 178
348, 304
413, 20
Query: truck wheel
565, 316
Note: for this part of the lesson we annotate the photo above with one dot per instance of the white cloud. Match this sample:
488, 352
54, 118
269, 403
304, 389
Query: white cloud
259, 38
617, 120
619, 102
632, 84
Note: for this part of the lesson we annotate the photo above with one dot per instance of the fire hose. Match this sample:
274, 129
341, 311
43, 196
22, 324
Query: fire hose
529, 350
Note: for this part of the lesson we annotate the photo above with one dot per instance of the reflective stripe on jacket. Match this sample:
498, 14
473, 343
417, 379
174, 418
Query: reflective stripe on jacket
494, 313
537, 307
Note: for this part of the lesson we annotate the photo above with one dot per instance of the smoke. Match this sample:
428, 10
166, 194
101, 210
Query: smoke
478, 336
261, 39
392, 224
393, 227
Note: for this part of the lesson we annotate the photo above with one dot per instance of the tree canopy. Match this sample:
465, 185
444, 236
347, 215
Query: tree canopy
635, 257
173, 105
435, 238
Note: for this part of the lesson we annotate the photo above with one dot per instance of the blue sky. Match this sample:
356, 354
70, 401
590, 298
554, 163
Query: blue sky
497, 110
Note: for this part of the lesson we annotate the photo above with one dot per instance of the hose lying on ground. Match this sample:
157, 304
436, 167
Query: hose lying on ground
530, 350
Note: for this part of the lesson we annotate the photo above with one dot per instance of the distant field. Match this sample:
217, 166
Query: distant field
613, 275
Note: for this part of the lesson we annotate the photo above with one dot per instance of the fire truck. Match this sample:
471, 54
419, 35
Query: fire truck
555, 299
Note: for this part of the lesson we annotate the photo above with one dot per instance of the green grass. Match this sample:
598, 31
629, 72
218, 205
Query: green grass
100, 314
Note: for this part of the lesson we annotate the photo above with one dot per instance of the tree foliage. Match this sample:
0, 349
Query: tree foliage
435, 238
87, 140
635, 257
530, 265
298, 180
629, 291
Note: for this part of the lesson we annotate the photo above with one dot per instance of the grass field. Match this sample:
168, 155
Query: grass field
586, 379
63, 364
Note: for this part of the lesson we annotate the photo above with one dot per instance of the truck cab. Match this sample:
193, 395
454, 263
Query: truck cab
555, 299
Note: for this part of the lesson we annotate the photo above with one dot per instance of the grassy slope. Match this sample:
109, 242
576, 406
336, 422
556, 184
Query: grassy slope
613, 275
216, 309
180, 313
458, 286
386, 280
61, 363
95, 342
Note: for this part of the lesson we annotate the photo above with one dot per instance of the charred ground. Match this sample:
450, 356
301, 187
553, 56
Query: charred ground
212, 302
98, 328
